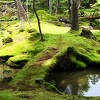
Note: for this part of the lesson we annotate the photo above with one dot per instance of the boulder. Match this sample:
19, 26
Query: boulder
87, 33
87, 27
62, 19
39, 80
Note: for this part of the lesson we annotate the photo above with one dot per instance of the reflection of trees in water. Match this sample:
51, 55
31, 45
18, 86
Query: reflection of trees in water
83, 83
76, 83
82, 89
68, 89
80, 84
94, 78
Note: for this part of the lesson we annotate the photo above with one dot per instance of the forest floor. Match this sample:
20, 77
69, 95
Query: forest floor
38, 56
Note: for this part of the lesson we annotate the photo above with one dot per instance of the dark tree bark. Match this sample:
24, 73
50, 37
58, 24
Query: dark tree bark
69, 9
34, 10
74, 15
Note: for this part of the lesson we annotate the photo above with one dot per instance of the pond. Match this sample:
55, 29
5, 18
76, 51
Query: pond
82, 83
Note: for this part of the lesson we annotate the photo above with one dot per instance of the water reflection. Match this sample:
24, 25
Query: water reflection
84, 83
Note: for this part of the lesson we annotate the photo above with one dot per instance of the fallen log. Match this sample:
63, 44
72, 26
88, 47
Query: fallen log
91, 17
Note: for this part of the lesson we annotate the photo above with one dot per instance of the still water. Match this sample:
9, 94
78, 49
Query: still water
83, 83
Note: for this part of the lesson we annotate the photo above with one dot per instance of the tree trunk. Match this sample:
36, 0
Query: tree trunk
20, 12
57, 5
50, 6
38, 20
74, 15
93, 1
69, 9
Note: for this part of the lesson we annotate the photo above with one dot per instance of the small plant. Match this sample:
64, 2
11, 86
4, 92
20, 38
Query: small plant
7, 40
31, 30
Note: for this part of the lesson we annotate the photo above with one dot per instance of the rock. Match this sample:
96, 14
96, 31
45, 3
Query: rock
39, 80
62, 19
17, 64
87, 33
7, 40
7, 79
87, 27
4, 58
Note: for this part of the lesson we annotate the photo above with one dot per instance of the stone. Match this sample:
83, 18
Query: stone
62, 19
87, 27
87, 33
39, 80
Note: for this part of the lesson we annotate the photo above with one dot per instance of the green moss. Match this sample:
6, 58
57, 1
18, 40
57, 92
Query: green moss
42, 56
21, 30
19, 58
5, 95
31, 30
7, 40
7, 1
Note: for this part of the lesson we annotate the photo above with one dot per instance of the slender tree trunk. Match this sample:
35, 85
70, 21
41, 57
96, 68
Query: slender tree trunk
57, 5
38, 20
50, 6
74, 15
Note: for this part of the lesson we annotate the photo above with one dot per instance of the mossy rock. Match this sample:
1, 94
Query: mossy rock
17, 64
70, 59
87, 33
31, 30
4, 58
7, 40
22, 30
34, 36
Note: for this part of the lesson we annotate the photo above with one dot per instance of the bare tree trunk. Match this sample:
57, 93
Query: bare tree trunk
57, 5
50, 6
74, 15
20, 12
38, 20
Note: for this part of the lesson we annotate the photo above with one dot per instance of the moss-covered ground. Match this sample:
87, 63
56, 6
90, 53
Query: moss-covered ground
40, 56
